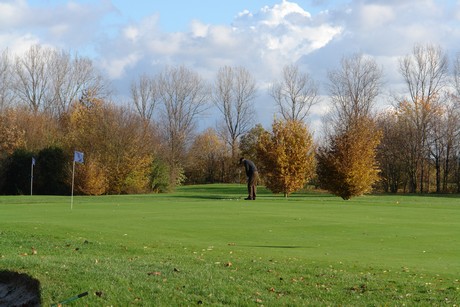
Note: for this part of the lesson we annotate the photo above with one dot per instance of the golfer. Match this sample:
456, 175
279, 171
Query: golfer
253, 176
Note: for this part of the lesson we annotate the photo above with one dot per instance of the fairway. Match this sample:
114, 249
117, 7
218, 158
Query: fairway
206, 245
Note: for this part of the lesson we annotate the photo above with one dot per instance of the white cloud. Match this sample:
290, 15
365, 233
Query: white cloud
199, 29
68, 25
262, 41
17, 44
222, 36
12, 13
375, 15
131, 33
281, 35
322, 107
279, 13
116, 68
59, 30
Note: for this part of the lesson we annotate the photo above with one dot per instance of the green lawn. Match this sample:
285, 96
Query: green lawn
205, 245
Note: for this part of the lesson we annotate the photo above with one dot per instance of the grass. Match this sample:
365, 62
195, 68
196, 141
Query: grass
205, 245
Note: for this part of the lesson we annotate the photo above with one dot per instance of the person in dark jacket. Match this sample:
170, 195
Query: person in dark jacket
253, 177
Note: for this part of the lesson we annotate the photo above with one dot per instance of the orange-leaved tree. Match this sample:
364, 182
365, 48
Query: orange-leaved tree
286, 156
348, 167
117, 148
206, 158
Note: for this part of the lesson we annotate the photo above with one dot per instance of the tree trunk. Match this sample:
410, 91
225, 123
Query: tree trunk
438, 175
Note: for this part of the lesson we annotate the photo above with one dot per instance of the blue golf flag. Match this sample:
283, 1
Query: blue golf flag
78, 157
33, 161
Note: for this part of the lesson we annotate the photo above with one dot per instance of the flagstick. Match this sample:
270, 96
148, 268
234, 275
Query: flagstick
31, 178
73, 180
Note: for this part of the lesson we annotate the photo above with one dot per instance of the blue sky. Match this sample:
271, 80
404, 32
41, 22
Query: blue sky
175, 15
127, 38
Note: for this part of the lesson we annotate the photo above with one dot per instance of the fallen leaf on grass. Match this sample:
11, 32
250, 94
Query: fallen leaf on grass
99, 293
228, 264
360, 289
154, 273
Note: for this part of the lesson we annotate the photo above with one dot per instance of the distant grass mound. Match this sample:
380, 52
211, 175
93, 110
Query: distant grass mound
206, 245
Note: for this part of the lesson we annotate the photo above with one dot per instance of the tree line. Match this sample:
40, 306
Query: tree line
54, 102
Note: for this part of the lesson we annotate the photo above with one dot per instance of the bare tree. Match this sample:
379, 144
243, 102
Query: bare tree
32, 78
442, 136
70, 77
425, 74
456, 79
233, 93
456, 105
295, 94
391, 152
49, 80
353, 88
5, 84
184, 96
144, 92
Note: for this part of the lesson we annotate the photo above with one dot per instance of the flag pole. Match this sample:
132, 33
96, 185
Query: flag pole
73, 181
32, 176
77, 157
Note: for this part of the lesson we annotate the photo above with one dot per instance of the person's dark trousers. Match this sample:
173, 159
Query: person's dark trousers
252, 185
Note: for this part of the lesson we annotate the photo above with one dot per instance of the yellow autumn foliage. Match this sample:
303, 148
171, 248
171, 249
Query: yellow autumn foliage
117, 150
348, 167
207, 157
286, 156
11, 136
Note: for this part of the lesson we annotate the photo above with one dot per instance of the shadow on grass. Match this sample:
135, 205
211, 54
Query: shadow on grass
210, 197
434, 195
18, 289
238, 192
277, 246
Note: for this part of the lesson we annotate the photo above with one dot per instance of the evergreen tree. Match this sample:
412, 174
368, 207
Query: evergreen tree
52, 172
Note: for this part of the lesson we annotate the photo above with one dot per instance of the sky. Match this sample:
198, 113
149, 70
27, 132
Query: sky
127, 38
